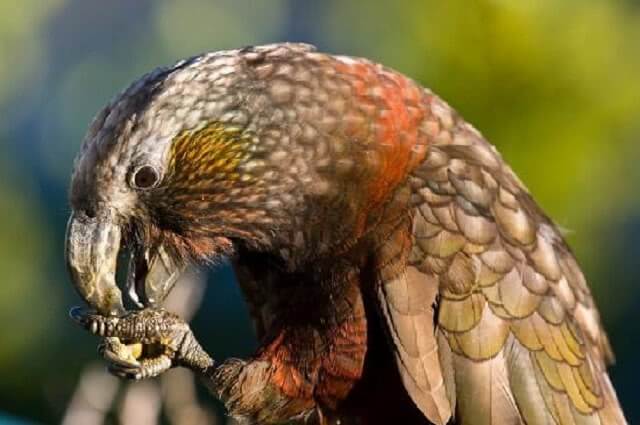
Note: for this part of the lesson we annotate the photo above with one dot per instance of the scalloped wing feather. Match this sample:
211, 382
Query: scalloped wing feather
519, 337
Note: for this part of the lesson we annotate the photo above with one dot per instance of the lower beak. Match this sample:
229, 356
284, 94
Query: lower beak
151, 276
91, 251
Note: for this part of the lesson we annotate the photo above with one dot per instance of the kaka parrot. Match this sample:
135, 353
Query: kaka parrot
395, 267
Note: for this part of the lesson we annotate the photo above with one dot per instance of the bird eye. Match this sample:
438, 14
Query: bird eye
145, 177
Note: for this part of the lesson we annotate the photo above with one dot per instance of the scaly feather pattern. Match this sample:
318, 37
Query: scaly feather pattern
525, 338
396, 269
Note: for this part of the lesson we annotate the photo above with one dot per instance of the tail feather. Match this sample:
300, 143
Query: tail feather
525, 387
484, 395
611, 413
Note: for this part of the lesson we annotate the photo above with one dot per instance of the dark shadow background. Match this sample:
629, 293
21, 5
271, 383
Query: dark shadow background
555, 85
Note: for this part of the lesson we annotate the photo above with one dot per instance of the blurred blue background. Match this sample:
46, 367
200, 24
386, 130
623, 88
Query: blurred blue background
555, 85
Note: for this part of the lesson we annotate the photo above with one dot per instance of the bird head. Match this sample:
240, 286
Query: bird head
171, 171
268, 148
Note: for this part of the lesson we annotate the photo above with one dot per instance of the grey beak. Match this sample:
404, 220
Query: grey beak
91, 251
92, 247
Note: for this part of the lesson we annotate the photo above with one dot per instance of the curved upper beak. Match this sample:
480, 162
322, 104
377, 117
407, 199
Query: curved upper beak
91, 251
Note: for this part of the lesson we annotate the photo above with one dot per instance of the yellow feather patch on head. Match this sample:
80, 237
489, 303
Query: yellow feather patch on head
208, 155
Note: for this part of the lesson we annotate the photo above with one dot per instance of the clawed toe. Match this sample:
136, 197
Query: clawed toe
131, 373
80, 315
94, 323
143, 344
125, 360
147, 368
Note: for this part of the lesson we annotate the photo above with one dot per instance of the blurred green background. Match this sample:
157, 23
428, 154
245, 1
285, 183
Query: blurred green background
554, 84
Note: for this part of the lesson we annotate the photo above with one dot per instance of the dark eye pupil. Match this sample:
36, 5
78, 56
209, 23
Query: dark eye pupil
145, 177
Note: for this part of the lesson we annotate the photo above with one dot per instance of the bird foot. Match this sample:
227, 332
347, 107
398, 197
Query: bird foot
145, 343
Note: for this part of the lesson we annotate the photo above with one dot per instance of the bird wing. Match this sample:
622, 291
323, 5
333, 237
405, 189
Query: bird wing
407, 305
518, 335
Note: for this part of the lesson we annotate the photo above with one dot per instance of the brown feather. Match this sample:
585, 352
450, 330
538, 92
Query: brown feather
518, 304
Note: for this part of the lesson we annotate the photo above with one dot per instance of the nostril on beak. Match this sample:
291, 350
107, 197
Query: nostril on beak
84, 212
89, 212
83, 207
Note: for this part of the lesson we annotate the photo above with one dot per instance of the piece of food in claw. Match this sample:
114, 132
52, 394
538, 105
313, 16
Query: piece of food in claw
151, 277
129, 353
91, 250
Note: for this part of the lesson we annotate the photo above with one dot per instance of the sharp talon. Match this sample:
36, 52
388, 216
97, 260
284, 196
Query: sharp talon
78, 315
